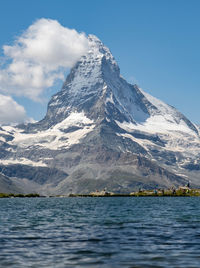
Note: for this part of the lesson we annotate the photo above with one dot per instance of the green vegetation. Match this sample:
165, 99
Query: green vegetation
182, 191
3, 195
174, 192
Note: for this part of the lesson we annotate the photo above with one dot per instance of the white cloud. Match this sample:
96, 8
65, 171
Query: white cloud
39, 57
11, 112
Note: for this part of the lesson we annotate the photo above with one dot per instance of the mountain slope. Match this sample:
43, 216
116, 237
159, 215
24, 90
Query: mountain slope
8, 186
100, 131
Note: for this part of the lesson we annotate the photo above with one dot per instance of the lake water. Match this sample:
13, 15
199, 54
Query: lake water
100, 232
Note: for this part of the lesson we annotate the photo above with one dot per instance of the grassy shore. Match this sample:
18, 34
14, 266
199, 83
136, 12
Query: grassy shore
3, 195
142, 193
145, 193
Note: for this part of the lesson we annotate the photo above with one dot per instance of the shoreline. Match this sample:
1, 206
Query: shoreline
181, 192
125, 195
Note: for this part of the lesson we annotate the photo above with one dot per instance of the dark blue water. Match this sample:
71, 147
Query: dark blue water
100, 232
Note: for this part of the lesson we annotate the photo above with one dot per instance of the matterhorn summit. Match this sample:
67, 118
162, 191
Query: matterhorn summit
100, 131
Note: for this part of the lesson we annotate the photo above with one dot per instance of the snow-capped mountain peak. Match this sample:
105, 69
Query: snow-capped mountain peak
100, 127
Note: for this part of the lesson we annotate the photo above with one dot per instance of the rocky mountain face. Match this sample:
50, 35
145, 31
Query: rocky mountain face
7, 185
100, 131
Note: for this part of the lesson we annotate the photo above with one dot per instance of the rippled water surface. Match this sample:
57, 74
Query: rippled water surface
100, 232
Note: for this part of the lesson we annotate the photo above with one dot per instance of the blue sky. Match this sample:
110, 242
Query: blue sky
155, 42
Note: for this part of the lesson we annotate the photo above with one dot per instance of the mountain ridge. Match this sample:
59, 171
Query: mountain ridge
97, 127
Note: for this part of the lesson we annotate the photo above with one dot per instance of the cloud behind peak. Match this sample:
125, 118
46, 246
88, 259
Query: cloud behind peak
40, 56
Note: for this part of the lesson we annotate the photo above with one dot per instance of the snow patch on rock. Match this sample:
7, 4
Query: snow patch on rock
57, 136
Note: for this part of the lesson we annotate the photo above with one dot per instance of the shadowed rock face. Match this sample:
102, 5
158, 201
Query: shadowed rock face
100, 131
8, 186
